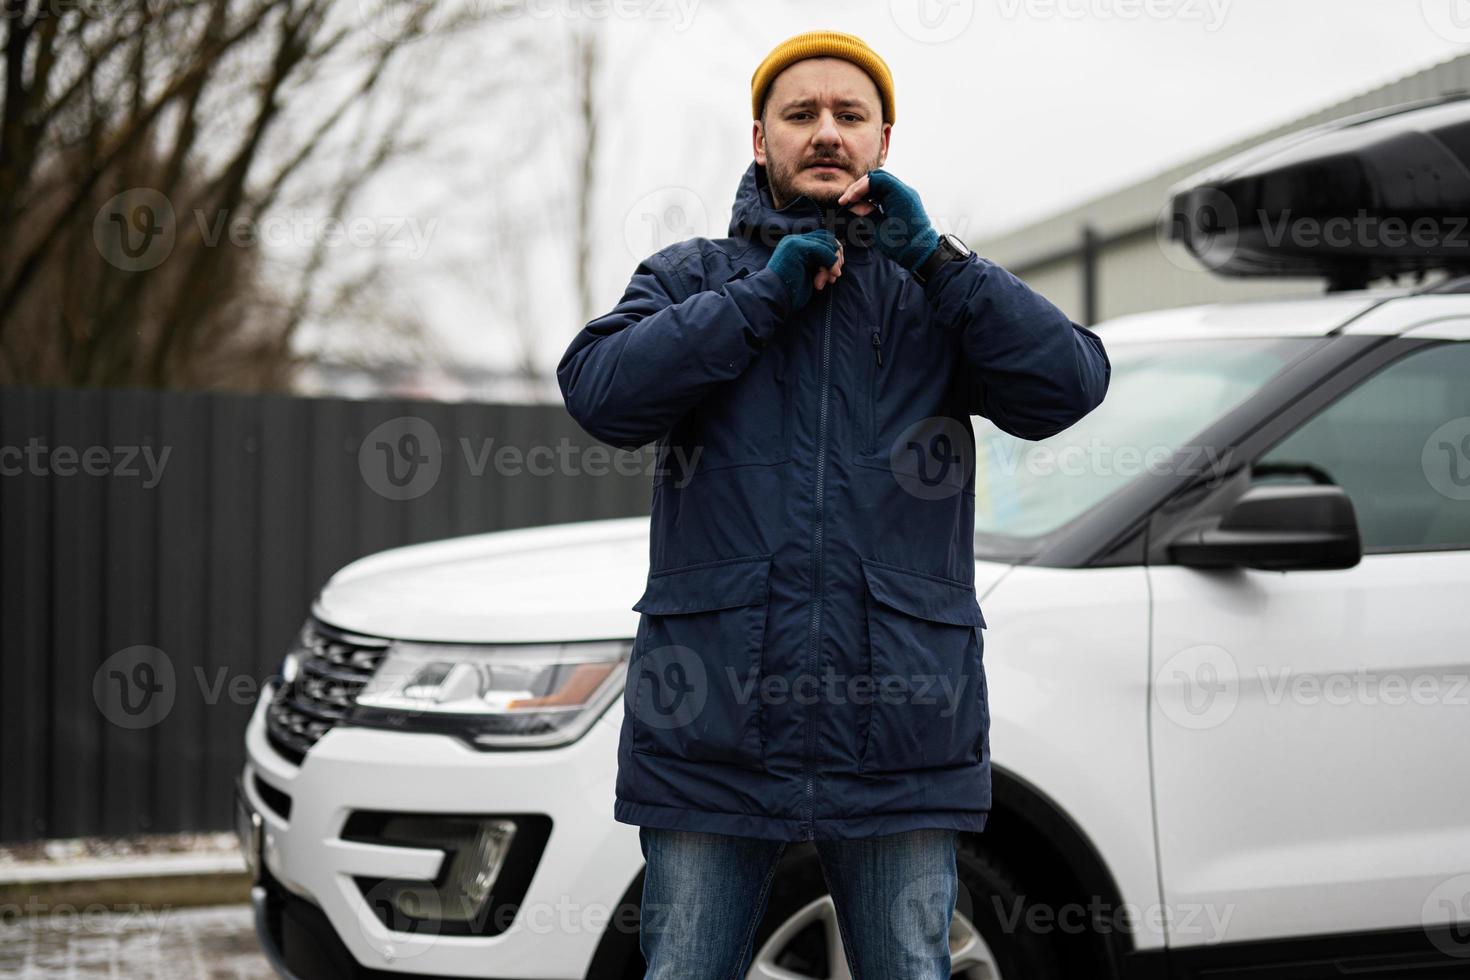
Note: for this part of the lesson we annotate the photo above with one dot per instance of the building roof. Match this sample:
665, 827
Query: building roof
1138, 206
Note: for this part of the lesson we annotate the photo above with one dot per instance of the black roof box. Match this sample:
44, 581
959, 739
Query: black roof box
1376, 194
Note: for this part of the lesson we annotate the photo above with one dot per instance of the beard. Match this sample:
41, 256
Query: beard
783, 174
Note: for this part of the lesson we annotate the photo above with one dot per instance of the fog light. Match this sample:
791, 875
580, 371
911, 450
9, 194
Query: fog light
475, 852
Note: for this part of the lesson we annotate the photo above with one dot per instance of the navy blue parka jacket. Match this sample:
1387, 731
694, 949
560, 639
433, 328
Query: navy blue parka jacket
808, 663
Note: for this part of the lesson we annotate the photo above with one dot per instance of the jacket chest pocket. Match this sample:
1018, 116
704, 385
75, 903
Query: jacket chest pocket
697, 662
927, 707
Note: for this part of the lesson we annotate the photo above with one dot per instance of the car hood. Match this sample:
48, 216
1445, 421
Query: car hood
563, 582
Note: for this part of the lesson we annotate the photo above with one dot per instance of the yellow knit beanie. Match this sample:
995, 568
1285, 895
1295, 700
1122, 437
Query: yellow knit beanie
823, 44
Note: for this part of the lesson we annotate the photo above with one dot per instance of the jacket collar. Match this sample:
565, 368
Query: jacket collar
756, 219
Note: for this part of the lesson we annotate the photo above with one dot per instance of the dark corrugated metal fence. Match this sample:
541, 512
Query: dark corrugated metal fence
202, 524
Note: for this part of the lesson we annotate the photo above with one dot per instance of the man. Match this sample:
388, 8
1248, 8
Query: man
808, 662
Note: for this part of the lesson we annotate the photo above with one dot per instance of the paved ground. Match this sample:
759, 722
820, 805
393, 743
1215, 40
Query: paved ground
147, 944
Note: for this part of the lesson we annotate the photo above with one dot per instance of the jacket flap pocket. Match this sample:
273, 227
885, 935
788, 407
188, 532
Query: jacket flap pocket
925, 596
704, 587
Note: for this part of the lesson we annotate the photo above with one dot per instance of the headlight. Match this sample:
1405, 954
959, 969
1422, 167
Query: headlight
514, 695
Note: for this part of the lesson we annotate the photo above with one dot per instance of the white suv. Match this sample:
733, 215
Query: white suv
1227, 660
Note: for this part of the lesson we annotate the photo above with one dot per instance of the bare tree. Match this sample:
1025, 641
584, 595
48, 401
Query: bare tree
121, 122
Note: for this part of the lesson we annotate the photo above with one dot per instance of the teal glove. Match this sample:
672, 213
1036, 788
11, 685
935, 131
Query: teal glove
797, 259
904, 232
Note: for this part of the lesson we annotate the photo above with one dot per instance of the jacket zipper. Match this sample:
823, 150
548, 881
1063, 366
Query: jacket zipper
815, 640
870, 435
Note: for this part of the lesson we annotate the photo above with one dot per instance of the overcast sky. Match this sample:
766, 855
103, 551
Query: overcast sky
1008, 111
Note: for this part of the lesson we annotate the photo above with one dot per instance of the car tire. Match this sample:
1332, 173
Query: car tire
992, 902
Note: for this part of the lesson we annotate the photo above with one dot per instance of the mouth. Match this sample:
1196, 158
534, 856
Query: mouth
825, 168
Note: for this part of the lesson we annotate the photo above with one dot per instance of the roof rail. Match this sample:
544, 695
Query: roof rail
1454, 284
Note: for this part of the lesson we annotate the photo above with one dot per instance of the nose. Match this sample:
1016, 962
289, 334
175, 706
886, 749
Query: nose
827, 132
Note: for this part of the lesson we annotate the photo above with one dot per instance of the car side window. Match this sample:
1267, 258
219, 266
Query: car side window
1399, 446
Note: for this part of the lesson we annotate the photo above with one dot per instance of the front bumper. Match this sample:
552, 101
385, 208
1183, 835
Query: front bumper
311, 883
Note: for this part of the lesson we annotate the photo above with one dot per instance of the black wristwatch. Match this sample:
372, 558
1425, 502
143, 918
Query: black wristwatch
949, 248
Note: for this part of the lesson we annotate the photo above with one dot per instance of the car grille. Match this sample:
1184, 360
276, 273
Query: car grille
334, 667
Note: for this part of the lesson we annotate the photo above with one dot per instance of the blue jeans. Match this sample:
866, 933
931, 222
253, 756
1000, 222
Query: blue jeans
705, 894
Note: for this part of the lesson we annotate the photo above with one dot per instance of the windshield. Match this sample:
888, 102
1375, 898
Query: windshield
1160, 395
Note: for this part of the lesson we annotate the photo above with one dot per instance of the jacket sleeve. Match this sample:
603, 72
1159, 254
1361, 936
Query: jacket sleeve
632, 373
1024, 364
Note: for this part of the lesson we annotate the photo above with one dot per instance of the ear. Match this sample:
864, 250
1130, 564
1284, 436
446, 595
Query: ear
758, 143
883, 149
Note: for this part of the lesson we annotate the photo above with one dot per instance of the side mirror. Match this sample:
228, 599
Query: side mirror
1277, 527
